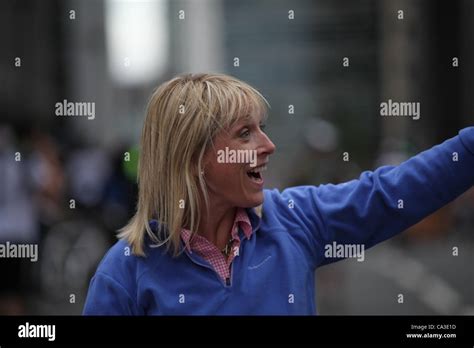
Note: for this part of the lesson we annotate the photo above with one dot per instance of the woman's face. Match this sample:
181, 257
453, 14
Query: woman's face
234, 167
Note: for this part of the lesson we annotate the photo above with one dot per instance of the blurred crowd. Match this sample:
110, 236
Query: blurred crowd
69, 199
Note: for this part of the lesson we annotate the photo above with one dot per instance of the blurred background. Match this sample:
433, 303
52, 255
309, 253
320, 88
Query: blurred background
74, 184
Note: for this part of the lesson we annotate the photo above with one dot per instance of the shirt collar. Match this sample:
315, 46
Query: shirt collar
241, 219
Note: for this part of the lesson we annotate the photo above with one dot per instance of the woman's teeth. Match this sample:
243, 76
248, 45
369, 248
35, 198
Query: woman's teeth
255, 173
258, 169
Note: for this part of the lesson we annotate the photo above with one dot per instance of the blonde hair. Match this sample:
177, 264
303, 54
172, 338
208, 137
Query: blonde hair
183, 117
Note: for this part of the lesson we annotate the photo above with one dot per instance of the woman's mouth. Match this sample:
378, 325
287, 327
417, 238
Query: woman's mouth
255, 174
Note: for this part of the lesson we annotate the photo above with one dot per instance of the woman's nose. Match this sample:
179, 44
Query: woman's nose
267, 147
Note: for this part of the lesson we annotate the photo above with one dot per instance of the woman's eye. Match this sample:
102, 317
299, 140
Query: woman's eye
245, 133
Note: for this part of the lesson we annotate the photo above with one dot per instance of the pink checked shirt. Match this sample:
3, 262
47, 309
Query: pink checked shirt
211, 253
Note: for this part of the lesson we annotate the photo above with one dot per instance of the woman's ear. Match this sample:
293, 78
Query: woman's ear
195, 170
206, 158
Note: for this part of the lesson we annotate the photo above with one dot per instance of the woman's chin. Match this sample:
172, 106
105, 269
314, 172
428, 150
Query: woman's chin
255, 200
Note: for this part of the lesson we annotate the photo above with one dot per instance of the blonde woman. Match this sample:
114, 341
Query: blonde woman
208, 239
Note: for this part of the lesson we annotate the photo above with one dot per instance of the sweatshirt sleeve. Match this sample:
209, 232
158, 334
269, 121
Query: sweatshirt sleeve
108, 297
382, 203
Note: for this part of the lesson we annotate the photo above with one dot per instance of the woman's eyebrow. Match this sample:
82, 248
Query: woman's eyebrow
263, 117
246, 119
242, 121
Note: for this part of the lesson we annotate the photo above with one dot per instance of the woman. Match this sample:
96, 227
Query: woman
208, 239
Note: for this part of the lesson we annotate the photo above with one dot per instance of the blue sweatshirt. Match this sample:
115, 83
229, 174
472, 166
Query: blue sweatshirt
274, 272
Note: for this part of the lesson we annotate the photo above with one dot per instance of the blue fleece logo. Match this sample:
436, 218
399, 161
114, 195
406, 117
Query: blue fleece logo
260, 264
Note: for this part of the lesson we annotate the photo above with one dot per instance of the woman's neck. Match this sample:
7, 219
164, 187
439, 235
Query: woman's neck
216, 226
